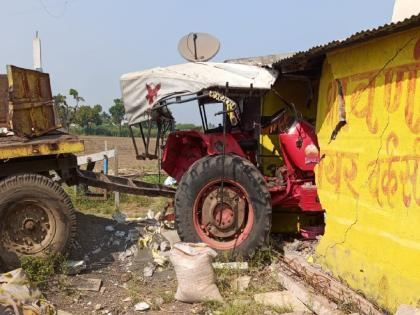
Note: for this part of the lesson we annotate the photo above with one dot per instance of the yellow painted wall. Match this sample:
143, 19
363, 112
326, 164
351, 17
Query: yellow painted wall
368, 180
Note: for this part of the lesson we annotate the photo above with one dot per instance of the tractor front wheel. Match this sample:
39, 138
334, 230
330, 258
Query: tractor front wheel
224, 202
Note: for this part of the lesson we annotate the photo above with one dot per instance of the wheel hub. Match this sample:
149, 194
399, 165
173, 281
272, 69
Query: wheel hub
26, 228
223, 212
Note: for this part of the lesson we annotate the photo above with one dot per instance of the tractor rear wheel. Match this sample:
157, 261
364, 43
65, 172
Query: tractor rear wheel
228, 209
36, 218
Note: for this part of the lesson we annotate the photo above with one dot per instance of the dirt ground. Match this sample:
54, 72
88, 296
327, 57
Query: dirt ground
123, 283
126, 153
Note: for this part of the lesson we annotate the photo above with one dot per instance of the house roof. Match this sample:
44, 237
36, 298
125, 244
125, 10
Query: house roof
261, 61
317, 53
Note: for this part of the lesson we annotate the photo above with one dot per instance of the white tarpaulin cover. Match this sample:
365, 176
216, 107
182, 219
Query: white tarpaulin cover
142, 90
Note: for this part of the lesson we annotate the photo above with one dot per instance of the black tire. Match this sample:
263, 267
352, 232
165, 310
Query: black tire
238, 170
37, 218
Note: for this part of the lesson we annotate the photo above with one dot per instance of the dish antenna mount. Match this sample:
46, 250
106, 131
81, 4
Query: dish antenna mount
198, 47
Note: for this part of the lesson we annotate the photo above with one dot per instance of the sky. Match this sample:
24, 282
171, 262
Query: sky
88, 44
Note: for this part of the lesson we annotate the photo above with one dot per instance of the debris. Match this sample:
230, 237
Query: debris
89, 284
60, 312
158, 216
127, 299
96, 251
165, 246
74, 267
119, 234
142, 306
159, 258
131, 251
97, 307
405, 309
171, 235
127, 276
282, 299
133, 235
150, 214
241, 283
169, 181
109, 228
158, 301
195, 274
319, 304
231, 265
119, 217
331, 288
17, 295
149, 270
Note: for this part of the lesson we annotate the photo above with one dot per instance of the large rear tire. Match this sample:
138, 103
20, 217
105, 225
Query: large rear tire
237, 220
37, 218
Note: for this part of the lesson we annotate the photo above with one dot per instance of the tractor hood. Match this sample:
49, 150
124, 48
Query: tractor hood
144, 89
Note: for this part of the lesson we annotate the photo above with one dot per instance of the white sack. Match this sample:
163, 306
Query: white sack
194, 271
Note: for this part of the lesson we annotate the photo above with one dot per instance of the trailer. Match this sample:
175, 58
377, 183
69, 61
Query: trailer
37, 217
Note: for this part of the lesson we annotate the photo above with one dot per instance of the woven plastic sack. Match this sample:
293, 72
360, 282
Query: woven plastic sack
194, 271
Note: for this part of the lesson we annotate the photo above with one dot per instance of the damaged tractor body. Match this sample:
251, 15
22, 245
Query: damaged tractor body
223, 196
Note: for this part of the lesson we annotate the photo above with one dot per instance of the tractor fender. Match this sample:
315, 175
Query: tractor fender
183, 148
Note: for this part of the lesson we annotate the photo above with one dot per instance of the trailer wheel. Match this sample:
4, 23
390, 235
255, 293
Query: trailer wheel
240, 222
36, 218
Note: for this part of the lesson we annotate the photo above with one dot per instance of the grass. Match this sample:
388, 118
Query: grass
132, 205
262, 280
40, 269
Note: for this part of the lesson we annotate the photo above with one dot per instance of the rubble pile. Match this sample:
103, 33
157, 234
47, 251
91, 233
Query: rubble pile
17, 296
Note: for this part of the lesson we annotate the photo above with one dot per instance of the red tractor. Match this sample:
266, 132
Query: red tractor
223, 198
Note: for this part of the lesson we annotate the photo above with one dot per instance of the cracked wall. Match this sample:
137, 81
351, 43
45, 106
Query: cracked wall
368, 177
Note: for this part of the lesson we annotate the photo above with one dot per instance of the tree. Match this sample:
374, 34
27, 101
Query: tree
85, 116
117, 113
106, 118
76, 96
63, 110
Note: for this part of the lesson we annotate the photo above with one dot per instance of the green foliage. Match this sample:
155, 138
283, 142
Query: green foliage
117, 112
76, 96
87, 120
40, 269
86, 115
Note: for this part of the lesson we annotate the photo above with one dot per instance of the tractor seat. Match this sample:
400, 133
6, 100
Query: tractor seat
248, 144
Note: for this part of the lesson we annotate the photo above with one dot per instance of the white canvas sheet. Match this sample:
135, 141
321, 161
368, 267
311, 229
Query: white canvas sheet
144, 89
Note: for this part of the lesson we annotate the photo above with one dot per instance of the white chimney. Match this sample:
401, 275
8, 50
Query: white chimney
36, 50
404, 9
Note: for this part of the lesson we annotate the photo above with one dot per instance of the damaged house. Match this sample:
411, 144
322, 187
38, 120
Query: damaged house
363, 94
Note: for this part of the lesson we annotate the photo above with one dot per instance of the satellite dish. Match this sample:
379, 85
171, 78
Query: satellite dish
198, 46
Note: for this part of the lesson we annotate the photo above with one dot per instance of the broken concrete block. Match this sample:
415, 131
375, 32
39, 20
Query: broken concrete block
109, 228
89, 284
241, 283
319, 304
231, 265
132, 251
142, 306
149, 270
75, 266
283, 299
405, 309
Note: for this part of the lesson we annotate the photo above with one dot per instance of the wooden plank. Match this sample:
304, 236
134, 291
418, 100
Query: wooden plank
95, 157
30, 99
4, 101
